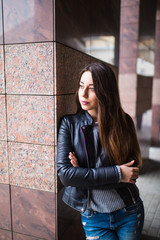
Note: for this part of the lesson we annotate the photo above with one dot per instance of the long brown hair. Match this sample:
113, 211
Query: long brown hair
116, 128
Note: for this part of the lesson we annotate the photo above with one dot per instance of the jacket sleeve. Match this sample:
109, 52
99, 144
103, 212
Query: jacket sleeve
77, 176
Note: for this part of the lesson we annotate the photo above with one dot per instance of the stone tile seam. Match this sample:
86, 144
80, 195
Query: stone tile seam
22, 234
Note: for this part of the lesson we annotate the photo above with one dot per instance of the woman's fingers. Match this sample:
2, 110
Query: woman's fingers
129, 174
73, 159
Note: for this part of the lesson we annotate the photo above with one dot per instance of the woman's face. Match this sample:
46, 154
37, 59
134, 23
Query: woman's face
87, 96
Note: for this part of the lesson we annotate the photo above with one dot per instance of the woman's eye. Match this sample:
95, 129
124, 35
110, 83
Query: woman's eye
81, 86
92, 89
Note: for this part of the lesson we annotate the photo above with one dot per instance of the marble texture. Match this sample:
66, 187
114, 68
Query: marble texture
2, 82
31, 119
28, 21
29, 68
5, 235
3, 163
5, 215
32, 166
33, 212
3, 133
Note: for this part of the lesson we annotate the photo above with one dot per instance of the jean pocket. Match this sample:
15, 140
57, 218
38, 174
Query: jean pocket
88, 213
135, 207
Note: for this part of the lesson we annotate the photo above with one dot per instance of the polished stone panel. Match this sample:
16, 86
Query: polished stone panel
1, 27
65, 105
128, 55
69, 221
157, 45
129, 49
144, 94
5, 215
78, 22
73, 23
2, 83
28, 21
69, 63
155, 129
129, 2
129, 32
105, 18
156, 91
3, 163
128, 94
3, 134
33, 212
157, 68
130, 14
17, 236
128, 65
31, 119
29, 68
32, 166
5, 235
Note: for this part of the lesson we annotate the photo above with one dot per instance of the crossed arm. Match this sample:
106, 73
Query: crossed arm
71, 174
129, 174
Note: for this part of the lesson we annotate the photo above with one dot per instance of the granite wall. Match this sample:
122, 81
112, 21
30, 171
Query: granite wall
38, 80
40, 59
27, 120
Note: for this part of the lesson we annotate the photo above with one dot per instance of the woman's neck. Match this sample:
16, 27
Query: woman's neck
94, 115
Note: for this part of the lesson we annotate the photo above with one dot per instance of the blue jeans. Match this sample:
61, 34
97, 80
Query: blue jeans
124, 224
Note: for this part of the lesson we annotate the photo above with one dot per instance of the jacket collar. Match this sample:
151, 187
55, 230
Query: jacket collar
89, 118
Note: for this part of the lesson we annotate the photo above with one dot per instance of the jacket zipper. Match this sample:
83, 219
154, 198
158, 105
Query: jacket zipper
85, 148
87, 165
133, 199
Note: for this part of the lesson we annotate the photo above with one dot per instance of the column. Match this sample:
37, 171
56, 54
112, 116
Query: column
129, 24
155, 131
27, 121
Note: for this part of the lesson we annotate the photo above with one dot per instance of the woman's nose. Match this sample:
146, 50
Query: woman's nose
84, 93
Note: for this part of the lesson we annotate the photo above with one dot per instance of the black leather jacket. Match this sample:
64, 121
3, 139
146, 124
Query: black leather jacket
76, 135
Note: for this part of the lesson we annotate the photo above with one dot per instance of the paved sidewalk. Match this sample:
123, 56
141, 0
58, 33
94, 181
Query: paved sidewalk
149, 180
149, 186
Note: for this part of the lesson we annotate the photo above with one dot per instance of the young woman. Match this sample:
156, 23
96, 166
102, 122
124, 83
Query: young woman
98, 159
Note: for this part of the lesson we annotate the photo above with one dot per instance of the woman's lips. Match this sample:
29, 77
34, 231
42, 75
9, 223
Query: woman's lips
84, 102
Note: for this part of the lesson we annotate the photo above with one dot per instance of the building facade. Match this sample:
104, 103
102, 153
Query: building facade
43, 46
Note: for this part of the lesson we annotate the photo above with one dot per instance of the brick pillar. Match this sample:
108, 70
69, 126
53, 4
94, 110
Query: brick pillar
129, 24
155, 130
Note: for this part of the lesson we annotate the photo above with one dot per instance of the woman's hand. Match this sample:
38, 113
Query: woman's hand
73, 159
129, 173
